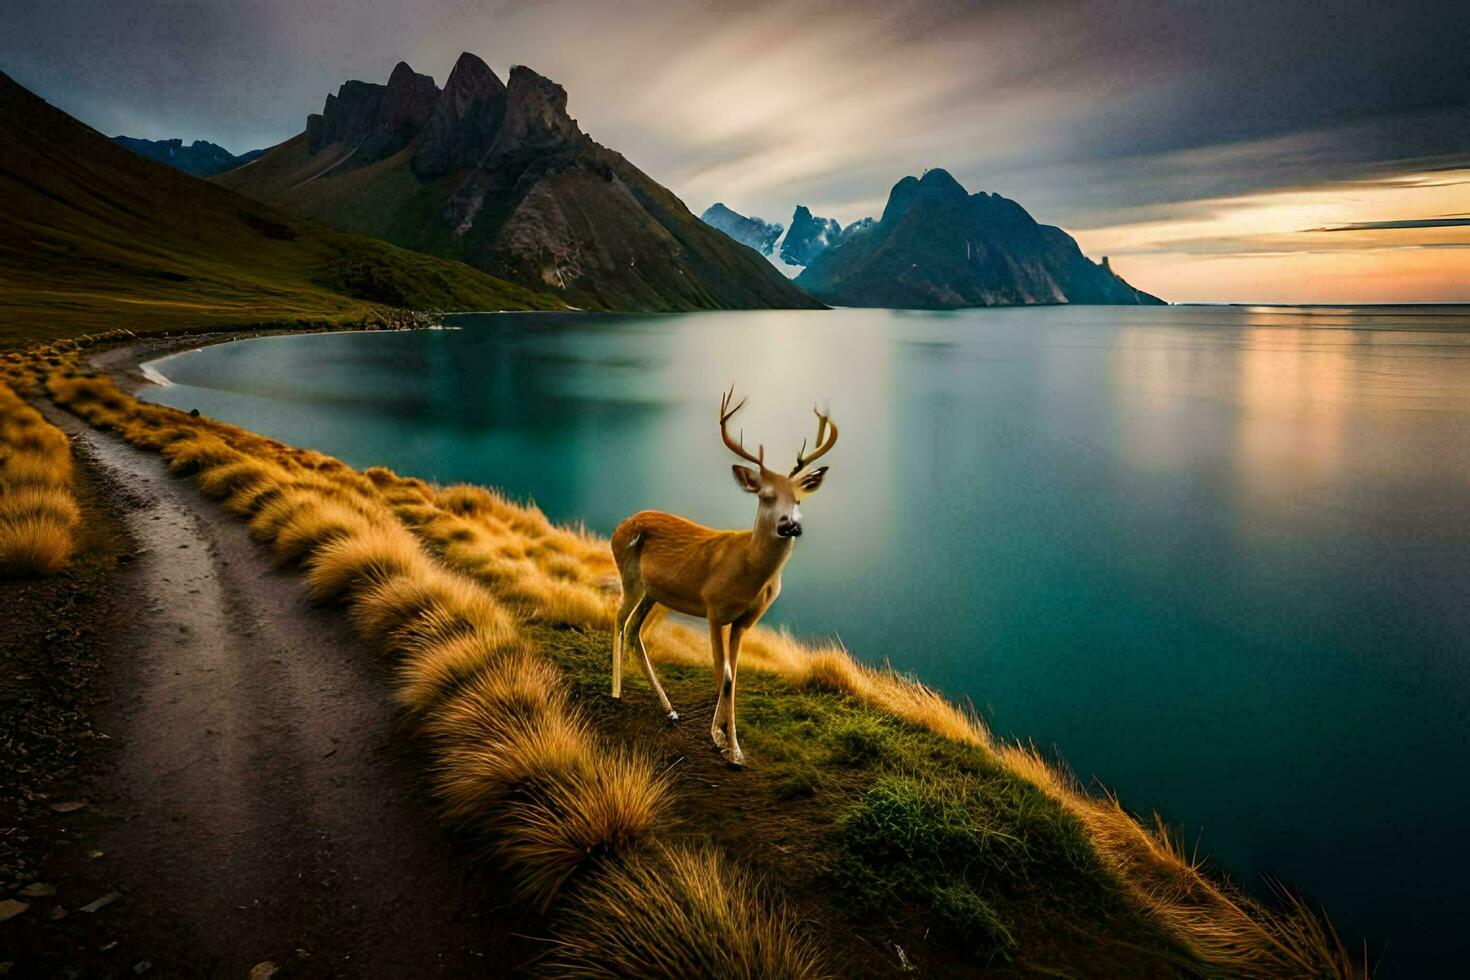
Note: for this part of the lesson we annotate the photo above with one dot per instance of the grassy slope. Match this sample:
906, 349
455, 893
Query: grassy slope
93, 237
885, 834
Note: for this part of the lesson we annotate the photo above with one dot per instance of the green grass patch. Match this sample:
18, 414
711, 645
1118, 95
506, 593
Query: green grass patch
902, 837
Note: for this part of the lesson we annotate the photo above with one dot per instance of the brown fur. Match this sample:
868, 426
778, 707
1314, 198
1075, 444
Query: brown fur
727, 578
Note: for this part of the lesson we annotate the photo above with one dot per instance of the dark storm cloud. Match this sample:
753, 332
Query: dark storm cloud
1091, 113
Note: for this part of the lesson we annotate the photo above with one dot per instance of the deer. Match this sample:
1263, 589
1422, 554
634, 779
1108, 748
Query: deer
727, 578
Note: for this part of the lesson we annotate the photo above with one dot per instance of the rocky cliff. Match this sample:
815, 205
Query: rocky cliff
500, 175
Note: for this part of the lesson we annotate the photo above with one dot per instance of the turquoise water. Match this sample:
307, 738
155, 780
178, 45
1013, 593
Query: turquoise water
1218, 558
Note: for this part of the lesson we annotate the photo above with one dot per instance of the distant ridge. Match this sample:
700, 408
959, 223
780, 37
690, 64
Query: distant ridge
200, 158
498, 175
789, 247
753, 232
939, 247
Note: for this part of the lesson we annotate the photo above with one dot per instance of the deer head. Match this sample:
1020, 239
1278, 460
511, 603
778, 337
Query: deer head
780, 495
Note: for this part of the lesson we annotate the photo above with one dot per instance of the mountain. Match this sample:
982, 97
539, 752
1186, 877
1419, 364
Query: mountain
93, 237
200, 158
498, 175
789, 248
939, 247
752, 232
808, 237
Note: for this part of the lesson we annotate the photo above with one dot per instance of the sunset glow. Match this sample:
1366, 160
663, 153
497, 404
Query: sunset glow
1402, 239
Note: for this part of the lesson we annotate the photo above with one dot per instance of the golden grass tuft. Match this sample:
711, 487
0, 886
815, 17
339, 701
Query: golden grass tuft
552, 602
465, 499
315, 524
273, 513
681, 911
835, 671
568, 826
414, 514
33, 546
390, 606
485, 756
23, 469
509, 682
362, 560
433, 668
38, 512
190, 455
226, 479
250, 498
35, 502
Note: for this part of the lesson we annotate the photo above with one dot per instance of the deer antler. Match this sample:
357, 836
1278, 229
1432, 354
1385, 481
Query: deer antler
824, 442
737, 446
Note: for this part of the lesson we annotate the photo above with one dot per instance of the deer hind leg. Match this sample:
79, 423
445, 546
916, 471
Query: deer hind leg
722, 673
630, 601
633, 631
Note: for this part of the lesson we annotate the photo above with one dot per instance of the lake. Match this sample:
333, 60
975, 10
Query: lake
1218, 558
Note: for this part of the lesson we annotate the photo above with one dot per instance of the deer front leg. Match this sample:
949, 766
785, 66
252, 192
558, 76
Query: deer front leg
717, 648
733, 755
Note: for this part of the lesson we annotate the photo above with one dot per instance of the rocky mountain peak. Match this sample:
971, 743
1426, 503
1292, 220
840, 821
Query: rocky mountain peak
807, 236
465, 119
409, 99
347, 116
941, 181
899, 198
372, 121
402, 75
937, 185
535, 114
471, 79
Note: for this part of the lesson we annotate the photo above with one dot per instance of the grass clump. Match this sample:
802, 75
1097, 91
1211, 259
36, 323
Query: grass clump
361, 560
33, 547
38, 512
681, 911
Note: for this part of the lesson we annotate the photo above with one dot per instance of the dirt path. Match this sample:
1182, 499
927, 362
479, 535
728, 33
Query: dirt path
258, 802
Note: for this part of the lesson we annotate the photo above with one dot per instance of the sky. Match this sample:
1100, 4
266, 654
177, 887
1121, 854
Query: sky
1243, 151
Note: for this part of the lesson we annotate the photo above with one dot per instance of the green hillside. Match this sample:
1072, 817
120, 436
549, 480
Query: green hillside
93, 237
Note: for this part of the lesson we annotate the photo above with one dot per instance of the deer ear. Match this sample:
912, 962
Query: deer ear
746, 478
812, 482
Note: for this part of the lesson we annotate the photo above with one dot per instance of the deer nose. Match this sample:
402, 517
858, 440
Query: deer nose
788, 528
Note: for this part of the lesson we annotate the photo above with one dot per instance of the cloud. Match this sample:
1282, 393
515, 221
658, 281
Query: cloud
1450, 222
1103, 118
